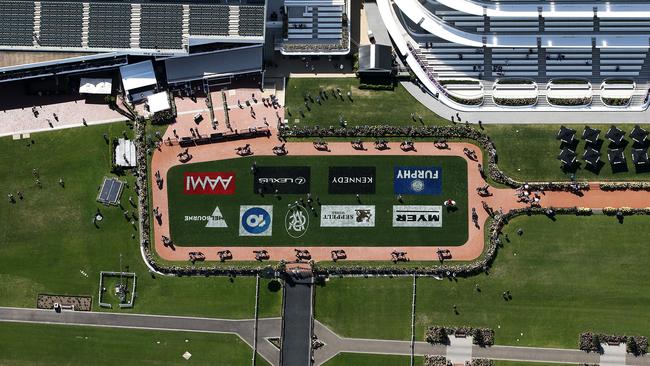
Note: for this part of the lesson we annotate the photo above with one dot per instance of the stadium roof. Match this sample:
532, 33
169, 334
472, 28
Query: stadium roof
220, 63
138, 75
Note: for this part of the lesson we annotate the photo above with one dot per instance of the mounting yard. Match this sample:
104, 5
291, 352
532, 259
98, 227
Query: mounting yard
188, 231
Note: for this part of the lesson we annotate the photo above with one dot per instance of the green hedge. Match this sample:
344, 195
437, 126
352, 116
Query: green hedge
376, 86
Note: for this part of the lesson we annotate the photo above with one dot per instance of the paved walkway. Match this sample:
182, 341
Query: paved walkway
270, 327
297, 322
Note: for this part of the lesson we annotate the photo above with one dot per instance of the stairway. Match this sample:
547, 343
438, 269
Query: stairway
136, 15
85, 21
37, 22
233, 21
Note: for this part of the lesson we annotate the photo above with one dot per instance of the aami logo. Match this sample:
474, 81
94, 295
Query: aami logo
209, 183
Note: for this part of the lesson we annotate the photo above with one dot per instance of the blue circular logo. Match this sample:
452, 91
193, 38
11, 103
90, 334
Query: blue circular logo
256, 220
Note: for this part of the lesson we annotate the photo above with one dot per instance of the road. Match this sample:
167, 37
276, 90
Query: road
270, 327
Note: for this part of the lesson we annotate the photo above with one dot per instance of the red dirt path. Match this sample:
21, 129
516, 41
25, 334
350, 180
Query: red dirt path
505, 199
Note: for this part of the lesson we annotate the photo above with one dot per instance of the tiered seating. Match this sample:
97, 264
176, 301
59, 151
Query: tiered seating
209, 20
251, 20
452, 60
568, 25
329, 22
17, 23
109, 25
568, 62
624, 25
621, 62
513, 25
521, 62
61, 24
161, 26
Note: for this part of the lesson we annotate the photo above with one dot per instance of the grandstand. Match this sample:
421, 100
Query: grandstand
161, 28
316, 27
536, 40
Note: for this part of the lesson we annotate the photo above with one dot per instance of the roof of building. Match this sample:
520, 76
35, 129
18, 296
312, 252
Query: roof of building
138, 75
214, 64
375, 58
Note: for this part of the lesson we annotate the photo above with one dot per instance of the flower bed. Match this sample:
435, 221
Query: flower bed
440, 335
623, 186
464, 101
569, 101
515, 102
616, 102
591, 342
435, 360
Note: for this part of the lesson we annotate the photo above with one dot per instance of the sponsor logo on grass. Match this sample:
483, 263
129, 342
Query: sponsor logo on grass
214, 220
417, 180
417, 216
296, 221
255, 220
352, 180
347, 216
209, 183
283, 179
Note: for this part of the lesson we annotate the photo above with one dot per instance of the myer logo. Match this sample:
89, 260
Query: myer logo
209, 183
214, 220
421, 217
353, 180
417, 174
270, 180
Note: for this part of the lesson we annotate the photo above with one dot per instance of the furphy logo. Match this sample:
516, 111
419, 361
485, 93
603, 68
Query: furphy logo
417, 180
351, 180
282, 179
417, 216
209, 183
255, 220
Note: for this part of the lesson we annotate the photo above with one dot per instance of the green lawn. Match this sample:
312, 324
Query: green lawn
454, 184
48, 239
529, 153
38, 344
566, 277
366, 307
364, 359
369, 107
520, 363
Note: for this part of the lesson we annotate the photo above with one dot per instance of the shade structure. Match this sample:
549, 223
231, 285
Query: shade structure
638, 134
590, 134
640, 156
567, 156
616, 156
615, 135
591, 156
565, 135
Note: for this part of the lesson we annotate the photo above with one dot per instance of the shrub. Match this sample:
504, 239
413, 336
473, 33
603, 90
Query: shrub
516, 102
617, 102
569, 101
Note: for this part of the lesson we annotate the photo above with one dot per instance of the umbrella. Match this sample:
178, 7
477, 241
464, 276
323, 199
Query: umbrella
638, 134
566, 135
590, 134
616, 156
615, 135
591, 156
640, 156
567, 156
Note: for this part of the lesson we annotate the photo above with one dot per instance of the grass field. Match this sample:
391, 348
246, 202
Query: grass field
565, 277
191, 233
48, 238
362, 359
38, 344
529, 152
369, 107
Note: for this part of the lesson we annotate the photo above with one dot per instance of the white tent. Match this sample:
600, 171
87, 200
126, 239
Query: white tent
95, 86
158, 102
139, 76
125, 153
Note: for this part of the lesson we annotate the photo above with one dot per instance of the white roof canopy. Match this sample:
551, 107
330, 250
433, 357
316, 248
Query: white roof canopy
138, 75
95, 86
125, 153
158, 102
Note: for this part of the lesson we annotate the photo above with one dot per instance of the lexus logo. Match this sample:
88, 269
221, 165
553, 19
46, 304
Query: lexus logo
270, 180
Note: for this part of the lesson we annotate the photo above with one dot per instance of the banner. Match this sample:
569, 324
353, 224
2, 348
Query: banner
283, 179
255, 220
214, 220
209, 183
352, 180
417, 180
347, 216
417, 216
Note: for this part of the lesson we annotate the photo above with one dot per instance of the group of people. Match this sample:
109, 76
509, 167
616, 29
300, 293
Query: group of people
244, 150
526, 195
407, 145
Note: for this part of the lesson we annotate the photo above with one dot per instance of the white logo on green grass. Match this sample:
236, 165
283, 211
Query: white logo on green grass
296, 221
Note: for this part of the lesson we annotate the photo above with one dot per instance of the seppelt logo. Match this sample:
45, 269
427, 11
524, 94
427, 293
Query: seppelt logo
209, 183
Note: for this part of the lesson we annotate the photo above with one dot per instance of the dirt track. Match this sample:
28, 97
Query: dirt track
505, 199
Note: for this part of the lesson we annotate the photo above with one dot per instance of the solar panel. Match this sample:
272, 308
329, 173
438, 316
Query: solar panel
115, 191
110, 192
